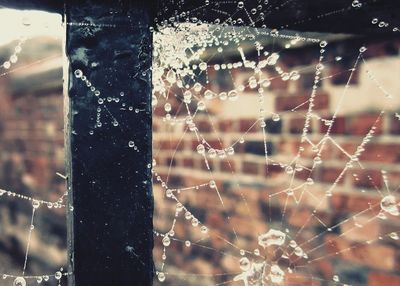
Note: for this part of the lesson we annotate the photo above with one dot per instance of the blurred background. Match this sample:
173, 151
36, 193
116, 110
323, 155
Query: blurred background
362, 250
347, 237
31, 143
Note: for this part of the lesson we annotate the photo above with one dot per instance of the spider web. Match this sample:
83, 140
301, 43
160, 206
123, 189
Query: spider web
31, 28
184, 68
184, 58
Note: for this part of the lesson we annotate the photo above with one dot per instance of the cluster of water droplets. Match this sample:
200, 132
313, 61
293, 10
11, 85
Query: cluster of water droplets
384, 25
14, 57
263, 269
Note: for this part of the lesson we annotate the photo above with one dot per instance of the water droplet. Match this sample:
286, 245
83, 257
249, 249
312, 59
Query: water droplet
166, 241
208, 94
195, 222
244, 263
294, 75
7, 65
13, 59
233, 95
212, 153
289, 170
78, 73
394, 236
197, 87
317, 160
167, 107
223, 96
212, 184
389, 205
292, 244
201, 105
161, 276
200, 149
356, 4
58, 275
298, 251
335, 278
230, 151
35, 204
171, 76
19, 281
188, 215
276, 275
203, 66
272, 237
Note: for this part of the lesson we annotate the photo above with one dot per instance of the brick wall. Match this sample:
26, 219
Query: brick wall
32, 138
31, 153
358, 250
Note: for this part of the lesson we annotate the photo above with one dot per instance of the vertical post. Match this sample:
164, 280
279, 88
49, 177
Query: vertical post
108, 142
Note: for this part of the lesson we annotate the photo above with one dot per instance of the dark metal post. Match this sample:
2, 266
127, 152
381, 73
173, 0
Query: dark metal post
109, 143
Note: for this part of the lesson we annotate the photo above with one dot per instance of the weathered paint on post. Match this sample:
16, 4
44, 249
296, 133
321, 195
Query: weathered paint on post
109, 177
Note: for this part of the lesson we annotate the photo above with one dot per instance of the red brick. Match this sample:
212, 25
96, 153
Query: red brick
188, 162
388, 153
204, 126
373, 255
244, 226
287, 103
246, 125
250, 168
341, 74
353, 202
374, 152
329, 175
296, 125
170, 161
227, 166
338, 127
361, 124
304, 174
393, 179
361, 228
298, 216
226, 125
168, 144
273, 170
279, 84
217, 144
291, 147
395, 126
367, 178
203, 164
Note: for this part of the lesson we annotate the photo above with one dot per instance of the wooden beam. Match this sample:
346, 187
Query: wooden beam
108, 142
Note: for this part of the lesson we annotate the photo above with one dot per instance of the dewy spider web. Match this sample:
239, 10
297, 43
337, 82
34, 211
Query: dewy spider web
30, 29
185, 58
182, 95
